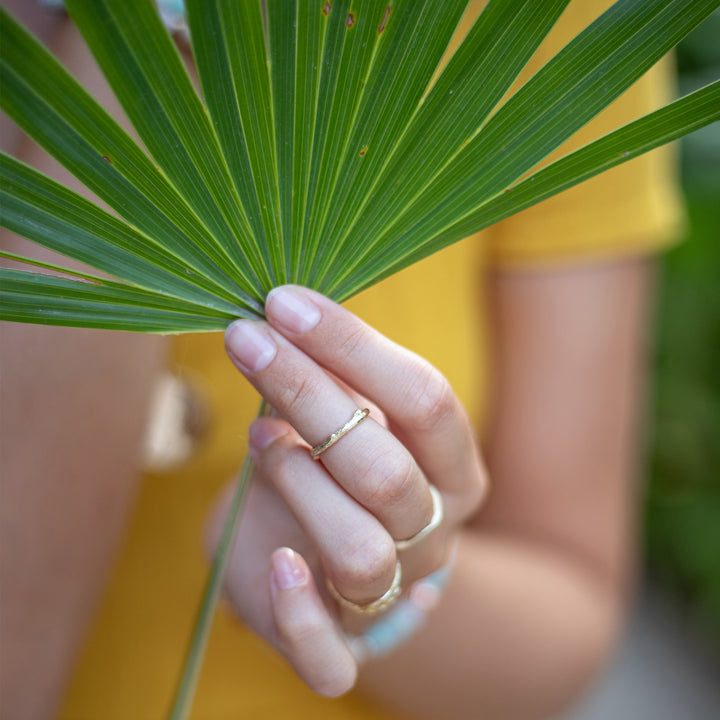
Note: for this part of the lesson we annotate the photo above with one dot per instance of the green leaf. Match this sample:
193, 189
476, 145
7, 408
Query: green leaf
57, 112
281, 18
51, 215
236, 135
334, 16
329, 151
310, 24
398, 80
243, 29
588, 74
148, 76
97, 279
35, 298
351, 46
687, 114
482, 70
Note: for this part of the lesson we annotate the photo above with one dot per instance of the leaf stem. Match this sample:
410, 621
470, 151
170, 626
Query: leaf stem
185, 691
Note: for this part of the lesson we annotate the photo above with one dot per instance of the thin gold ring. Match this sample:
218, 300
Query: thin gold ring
354, 421
437, 517
382, 603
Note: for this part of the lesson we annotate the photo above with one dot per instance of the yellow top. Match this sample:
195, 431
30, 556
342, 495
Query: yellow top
134, 652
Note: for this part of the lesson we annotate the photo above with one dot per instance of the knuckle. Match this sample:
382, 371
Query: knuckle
367, 563
278, 461
431, 399
352, 341
298, 393
390, 479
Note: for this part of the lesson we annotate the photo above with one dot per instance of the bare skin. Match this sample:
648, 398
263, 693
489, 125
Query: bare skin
542, 571
536, 595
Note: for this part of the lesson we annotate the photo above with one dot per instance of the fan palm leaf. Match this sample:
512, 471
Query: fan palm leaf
329, 147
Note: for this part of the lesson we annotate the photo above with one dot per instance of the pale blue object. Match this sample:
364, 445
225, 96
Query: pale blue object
400, 623
172, 12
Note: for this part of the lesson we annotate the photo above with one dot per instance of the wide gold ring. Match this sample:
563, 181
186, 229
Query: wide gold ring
376, 606
435, 520
354, 421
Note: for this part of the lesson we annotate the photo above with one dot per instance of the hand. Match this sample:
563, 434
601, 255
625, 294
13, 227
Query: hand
341, 515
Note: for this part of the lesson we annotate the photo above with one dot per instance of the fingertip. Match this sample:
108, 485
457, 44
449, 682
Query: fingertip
342, 683
250, 345
292, 308
288, 569
307, 635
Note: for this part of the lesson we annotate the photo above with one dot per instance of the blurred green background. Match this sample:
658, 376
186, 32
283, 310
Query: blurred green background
682, 509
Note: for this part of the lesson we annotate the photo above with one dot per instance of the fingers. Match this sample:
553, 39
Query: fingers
423, 410
357, 552
289, 361
369, 462
306, 634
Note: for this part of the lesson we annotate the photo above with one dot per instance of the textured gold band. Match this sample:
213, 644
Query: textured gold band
435, 520
376, 606
355, 420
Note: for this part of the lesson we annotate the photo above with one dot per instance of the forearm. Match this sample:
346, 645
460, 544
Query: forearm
536, 598
519, 633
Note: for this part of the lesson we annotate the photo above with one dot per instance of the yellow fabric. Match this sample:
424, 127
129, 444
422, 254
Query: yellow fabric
133, 654
629, 209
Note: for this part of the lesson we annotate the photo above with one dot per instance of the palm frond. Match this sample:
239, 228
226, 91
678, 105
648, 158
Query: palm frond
328, 148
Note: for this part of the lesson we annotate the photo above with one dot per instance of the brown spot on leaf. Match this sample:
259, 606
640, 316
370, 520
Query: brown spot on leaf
350, 20
363, 151
327, 8
107, 159
382, 25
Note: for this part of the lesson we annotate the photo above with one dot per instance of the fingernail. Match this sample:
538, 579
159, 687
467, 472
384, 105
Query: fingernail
262, 434
249, 345
292, 309
286, 569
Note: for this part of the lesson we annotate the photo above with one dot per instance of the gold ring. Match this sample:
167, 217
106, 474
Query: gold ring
354, 421
376, 606
435, 520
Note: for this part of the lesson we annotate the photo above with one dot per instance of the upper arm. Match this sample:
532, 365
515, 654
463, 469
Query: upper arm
562, 448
